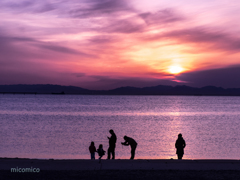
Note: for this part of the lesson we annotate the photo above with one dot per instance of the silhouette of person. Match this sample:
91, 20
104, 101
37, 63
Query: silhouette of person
132, 143
112, 144
180, 145
100, 151
92, 150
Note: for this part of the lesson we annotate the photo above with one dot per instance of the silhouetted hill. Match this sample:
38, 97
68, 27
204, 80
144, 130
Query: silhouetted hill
43, 89
155, 90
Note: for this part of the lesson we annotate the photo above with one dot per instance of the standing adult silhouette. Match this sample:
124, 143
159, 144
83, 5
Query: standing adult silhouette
180, 145
132, 143
112, 144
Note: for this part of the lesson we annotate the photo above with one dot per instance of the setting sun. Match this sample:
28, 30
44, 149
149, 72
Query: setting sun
175, 69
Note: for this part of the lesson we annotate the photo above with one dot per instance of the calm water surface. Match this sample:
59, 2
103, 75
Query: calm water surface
62, 126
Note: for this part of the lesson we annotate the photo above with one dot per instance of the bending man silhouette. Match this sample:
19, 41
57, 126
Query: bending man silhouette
132, 143
180, 145
112, 144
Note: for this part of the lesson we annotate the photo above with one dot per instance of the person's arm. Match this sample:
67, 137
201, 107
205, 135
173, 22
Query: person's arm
125, 143
184, 144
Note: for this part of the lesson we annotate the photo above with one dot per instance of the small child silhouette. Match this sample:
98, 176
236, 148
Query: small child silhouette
92, 150
100, 151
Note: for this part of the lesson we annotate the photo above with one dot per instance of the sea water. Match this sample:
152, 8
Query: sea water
63, 126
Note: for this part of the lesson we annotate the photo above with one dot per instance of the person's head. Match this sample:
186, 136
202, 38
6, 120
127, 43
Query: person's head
125, 138
111, 131
100, 146
180, 135
92, 143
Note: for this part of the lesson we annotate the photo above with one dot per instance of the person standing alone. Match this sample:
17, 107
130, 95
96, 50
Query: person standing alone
112, 144
180, 145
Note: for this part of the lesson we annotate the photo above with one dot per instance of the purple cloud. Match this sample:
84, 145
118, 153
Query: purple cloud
125, 26
62, 49
161, 17
79, 74
223, 77
98, 8
9, 44
103, 39
28, 6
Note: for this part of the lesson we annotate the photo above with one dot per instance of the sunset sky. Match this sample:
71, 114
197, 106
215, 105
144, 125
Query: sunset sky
104, 44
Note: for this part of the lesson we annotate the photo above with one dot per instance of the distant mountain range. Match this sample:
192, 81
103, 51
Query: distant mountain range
155, 90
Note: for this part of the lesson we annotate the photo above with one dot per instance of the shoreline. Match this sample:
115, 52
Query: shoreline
140, 169
120, 164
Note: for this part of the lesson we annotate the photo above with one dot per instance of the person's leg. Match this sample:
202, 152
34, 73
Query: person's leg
92, 156
113, 153
180, 156
133, 148
100, 159
109, 153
